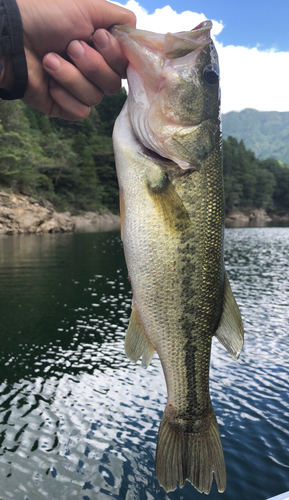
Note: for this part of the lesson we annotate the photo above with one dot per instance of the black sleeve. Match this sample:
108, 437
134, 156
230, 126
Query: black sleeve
11, 45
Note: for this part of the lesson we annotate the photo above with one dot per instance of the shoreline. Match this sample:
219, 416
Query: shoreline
22, 214
256, 218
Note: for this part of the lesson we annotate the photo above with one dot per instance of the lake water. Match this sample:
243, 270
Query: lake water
79, 421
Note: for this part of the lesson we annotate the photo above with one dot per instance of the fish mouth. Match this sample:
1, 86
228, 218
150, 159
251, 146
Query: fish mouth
172, 45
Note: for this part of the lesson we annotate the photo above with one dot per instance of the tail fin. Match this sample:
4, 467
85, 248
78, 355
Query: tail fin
181, 455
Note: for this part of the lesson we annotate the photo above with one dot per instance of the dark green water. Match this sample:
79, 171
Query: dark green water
78, 421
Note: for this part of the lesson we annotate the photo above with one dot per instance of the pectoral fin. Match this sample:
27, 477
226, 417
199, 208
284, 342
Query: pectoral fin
168, 203
230, 331
137, 344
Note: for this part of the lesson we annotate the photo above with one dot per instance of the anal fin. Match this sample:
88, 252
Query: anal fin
230, 331
137, 344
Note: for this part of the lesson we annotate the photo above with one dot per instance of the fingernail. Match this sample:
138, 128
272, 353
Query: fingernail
51, 62
101, 39
75, 49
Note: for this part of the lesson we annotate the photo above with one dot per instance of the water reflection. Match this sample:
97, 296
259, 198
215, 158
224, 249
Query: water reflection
54, 301
79, 421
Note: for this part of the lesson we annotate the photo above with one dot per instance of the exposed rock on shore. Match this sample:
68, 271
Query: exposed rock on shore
236, 217
20, 214
259, 214
257, 217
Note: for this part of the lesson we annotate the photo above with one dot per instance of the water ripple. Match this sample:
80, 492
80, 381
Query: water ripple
78, 421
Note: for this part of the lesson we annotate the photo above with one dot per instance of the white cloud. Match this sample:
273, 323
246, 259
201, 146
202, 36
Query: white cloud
166, 19
250, 78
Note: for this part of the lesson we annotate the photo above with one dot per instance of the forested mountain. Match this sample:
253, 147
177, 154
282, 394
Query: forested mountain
71, 164
264, 132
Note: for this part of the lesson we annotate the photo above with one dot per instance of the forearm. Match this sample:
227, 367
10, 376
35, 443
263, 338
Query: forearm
13, 77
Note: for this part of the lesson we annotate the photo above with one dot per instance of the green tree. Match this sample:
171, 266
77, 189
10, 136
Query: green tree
20, 151
105, 167
248, 182
281, 190
109, 109
265, 182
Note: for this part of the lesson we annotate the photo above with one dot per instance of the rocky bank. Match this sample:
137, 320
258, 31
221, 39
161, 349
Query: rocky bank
20, 214
257, 217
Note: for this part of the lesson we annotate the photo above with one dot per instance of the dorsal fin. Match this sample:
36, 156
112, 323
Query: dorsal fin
230, 331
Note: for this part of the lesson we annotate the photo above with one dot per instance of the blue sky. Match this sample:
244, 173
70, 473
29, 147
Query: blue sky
246, 22
251, 37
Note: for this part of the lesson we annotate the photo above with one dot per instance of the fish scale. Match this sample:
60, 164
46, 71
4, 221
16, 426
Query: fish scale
195, 320
167, 144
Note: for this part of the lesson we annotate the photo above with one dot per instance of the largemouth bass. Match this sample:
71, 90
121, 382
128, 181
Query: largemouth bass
168, 152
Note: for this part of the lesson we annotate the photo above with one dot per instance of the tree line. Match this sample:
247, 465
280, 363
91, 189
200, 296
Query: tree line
253, 183
71, 164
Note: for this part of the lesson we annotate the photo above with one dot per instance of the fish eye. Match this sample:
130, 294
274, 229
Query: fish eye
211, 74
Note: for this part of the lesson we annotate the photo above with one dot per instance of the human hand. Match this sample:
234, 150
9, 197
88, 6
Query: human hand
53, 28
75, 88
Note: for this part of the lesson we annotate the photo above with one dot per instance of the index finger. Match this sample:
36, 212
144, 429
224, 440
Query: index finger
110, 50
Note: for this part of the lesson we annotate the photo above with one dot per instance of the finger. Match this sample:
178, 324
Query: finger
66, 105
94, 67
71, 78
110, 50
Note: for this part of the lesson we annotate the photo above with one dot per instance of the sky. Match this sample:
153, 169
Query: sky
251, 37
